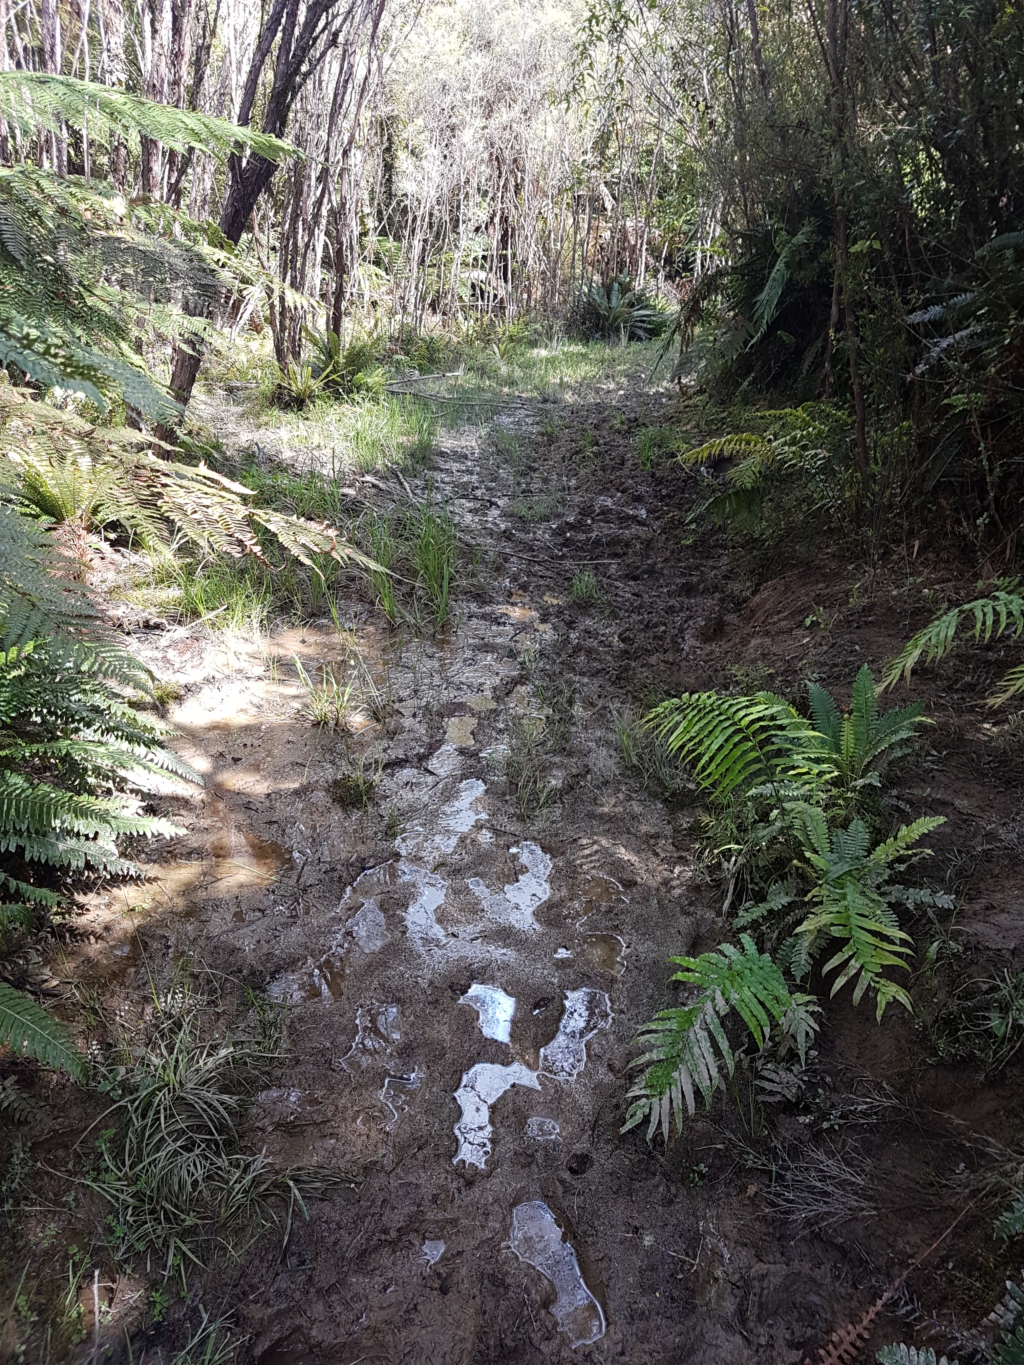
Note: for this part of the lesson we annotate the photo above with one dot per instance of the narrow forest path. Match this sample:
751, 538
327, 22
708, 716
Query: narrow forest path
463, 962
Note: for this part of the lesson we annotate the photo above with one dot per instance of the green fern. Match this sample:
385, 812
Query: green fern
734, 744
989, 618
861, 740
1011, 1223
793, 447
740, 443
687, 1048
69, 470
82, 272
27, 1029
14, 1103
1009, 1350
899, 1354
30, 100
854, 904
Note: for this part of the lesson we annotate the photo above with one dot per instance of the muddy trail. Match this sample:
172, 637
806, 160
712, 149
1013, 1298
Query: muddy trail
462, 963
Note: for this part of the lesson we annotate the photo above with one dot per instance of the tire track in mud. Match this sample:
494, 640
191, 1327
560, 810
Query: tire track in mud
497, 1214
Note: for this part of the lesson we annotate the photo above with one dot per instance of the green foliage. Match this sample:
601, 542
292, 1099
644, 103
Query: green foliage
860, 741
71, 747
82, 271
583, 588
619, 310
734, 745
525, 767
990, 618
30, 100
420, 545
789, 790
169, 1159
434, 552
687, 1048
297, 384
27, 1029
66, 469
1009, 1349
899, 1354
853, 898
76, 756
1011, 1223
793, 457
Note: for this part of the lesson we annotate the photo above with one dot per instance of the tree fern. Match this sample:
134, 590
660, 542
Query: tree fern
687, 1048
988, 618
27, 1029
79, 267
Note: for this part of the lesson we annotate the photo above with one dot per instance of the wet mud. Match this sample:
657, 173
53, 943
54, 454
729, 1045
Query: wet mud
460, 986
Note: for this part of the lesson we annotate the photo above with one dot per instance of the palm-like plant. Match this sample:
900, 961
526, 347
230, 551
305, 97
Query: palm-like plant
618, 309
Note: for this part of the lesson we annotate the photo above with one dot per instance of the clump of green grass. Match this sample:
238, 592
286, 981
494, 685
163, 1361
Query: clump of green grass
326, 702
353, 790
532, 510
170, 1162
418, 546
584, 587
383, 547
214, 1342
653, 443
231, 595
526, 767
645, 754
433, 552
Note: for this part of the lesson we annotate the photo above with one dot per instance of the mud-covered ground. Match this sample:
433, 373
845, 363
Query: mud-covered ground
370, 927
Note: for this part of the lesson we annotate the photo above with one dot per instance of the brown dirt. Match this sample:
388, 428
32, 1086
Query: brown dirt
279, 885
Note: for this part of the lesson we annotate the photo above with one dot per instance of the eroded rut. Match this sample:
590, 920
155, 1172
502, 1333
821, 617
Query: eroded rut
460, 988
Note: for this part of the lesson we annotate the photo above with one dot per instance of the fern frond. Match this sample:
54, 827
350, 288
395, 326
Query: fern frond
900, 1354
766, 304
1011, 1223
872, 940
860, 739
687, 1048
1010, 685
723, 448
14, 1103
733, 744
27, 1029
33, 99
1009, 1350
100, 476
